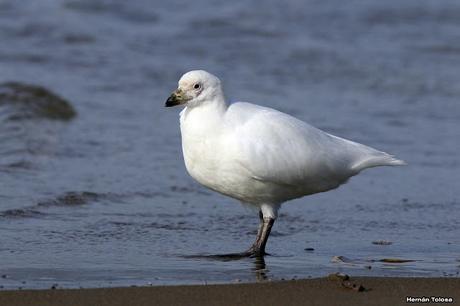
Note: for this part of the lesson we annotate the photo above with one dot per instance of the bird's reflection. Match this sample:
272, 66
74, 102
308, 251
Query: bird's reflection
259, 267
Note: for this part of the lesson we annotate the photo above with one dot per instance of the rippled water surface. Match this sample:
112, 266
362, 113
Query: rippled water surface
103, 199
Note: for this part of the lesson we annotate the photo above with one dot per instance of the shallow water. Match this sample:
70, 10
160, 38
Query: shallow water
104, 199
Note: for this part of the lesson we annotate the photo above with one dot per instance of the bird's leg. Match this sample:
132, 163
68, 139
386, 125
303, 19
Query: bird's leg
258, 247
259, 234
268, 223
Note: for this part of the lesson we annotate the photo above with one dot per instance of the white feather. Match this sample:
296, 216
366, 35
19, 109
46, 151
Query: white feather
262, 156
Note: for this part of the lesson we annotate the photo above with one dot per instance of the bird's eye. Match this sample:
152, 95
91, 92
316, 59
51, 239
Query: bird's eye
197, 86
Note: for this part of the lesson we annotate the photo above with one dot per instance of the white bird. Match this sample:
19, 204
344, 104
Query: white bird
258, 155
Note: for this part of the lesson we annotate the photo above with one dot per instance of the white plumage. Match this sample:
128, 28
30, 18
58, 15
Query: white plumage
258, 155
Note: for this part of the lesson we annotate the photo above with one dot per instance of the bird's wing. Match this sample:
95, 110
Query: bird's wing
278, 148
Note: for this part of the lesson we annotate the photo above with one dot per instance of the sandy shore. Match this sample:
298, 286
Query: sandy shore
323, 291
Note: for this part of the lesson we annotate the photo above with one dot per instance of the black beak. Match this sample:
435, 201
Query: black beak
172, 100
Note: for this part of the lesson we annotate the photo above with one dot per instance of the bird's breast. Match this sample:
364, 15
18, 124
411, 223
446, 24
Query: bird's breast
208, 164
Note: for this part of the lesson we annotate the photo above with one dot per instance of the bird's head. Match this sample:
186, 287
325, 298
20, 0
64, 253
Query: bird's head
195, 88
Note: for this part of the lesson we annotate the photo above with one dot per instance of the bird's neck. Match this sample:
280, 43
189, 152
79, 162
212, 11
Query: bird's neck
206, 114
200, 129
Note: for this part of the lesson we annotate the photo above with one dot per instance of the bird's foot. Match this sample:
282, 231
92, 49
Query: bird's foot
254, 252
251, 252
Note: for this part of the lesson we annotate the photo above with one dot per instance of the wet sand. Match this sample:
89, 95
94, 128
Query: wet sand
321, 291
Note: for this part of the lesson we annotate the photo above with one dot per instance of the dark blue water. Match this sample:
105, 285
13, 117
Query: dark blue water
104, 199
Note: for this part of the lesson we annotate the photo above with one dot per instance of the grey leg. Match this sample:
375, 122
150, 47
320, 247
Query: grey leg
265, 227
259, 231
258, 247
268, 223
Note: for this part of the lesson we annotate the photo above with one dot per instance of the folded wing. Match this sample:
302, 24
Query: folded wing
278, 148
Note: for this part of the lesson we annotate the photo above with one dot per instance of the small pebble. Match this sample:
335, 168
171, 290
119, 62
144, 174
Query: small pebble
382, 242
336, 259
341, 259
395, 260
353, 286
338, 276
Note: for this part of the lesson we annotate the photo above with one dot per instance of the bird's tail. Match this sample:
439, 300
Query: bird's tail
377, 159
